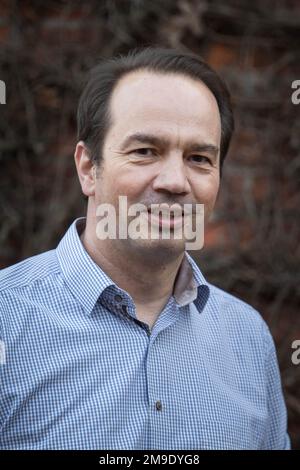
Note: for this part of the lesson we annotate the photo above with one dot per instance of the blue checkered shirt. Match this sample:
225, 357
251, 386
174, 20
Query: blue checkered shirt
80, 371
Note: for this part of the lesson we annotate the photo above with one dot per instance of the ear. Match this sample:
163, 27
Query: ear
85, 169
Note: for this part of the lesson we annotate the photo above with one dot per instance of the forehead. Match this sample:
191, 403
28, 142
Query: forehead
146, 99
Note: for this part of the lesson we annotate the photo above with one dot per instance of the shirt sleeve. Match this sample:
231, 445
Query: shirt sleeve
277, 437
2, 361
3, 404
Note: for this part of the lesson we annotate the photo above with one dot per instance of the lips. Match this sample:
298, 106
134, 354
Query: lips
165, 219
166, 210
162, 214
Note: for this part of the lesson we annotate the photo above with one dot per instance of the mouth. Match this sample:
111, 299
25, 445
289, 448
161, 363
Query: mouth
164, 218
166, 213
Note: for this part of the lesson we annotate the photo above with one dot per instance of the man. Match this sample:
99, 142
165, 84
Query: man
120, 342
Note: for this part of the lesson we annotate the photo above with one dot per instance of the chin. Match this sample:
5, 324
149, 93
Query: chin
157, 250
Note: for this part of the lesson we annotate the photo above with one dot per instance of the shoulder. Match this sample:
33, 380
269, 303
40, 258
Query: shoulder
231, 303
234, 314
223, 307
238, 328
25, 287
28, 272
28, 291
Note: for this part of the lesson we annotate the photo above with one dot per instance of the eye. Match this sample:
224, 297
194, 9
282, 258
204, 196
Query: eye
201, 159
144, 151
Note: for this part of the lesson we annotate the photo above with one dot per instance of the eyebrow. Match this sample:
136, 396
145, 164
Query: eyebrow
163, 142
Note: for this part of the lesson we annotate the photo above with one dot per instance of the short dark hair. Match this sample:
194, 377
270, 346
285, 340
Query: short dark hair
93, 115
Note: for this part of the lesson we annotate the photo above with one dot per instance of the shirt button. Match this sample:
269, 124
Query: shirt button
118, 298
158, 405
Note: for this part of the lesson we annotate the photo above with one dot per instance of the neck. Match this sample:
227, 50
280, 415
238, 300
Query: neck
148, 280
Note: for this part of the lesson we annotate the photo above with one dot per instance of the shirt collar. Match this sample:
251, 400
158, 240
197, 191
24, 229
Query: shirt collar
188, 279
87, 280
84, 277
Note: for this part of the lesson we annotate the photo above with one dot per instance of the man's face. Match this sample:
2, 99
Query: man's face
174, 156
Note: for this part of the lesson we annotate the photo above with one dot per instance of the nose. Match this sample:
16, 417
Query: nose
172, 176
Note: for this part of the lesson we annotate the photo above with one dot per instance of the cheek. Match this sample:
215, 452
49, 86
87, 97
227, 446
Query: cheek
132, 180
122, 180
207, 189
206, 192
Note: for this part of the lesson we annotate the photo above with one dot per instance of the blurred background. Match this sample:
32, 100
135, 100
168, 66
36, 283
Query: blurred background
252, 244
